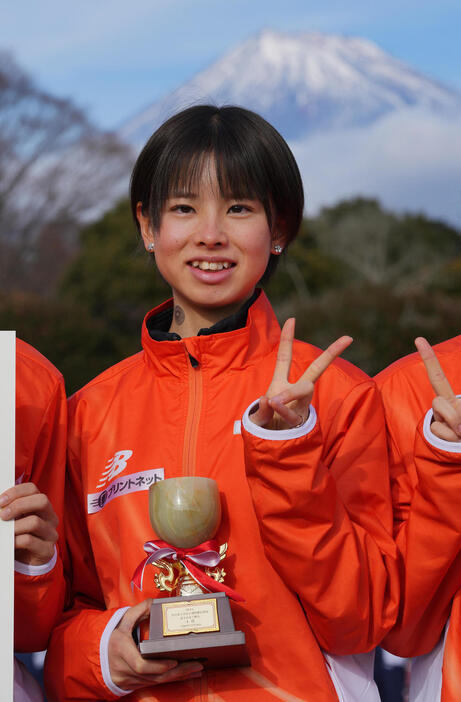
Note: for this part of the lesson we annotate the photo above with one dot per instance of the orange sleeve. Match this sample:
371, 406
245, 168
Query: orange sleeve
39, 599
78, 676
38, 604
428, 535
324, 510
48, 467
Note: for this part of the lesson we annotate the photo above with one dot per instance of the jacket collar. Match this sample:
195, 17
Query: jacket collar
159, 324
217, 351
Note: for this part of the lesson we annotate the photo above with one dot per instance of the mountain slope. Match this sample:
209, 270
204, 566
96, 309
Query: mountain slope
303, 84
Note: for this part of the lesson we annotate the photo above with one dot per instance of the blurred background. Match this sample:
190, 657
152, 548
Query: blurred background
368, 96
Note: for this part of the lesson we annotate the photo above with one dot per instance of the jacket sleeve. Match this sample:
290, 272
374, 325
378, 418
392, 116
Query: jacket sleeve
40, 590
428, 536
85, 627
321, 494
84, 675
38, 603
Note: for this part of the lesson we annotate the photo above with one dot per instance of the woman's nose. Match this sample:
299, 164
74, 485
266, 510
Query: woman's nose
211, 232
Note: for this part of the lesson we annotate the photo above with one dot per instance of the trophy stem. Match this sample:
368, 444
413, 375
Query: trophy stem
188, 586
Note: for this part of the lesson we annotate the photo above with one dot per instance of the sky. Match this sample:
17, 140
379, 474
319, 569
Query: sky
115, 58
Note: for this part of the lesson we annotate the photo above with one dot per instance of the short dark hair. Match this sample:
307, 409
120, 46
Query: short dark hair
252, 161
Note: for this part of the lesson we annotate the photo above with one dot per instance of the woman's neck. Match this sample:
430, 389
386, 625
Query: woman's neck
188, 321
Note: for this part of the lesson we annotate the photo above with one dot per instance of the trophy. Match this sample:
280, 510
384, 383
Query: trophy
195, 621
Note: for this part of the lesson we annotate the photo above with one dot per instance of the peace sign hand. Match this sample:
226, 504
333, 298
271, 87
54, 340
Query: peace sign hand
446, 406
286, 405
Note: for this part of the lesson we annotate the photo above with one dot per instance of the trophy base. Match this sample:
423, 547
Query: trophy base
209, 637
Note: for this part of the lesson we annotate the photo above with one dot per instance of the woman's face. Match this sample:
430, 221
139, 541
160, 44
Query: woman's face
211, 250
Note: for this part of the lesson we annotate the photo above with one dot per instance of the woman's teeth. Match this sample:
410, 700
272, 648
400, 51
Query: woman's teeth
210, 265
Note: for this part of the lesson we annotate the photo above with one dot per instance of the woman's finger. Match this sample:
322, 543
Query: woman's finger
449, 413
16, 491
35, 503
322, 362
183, 671
33, 524
32, 550
283, 362
264, 414
444, 432
134, 615
188, 669
293, 416
302, 390
437, 377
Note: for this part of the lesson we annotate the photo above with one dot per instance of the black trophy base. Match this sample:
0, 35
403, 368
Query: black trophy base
223, 648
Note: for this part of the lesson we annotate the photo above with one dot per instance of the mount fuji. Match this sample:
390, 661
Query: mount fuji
358, 120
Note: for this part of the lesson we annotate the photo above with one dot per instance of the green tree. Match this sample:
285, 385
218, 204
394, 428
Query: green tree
113, 278
79, 345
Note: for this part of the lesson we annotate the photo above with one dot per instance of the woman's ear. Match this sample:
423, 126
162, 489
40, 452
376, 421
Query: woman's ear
146, 228
278, 240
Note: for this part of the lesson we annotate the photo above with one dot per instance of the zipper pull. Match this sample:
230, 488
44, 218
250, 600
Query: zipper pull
193, 361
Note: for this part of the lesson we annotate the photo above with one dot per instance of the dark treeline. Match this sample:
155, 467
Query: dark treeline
355, 269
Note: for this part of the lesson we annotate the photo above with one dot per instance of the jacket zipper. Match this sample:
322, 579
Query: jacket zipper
193, 414
194, 407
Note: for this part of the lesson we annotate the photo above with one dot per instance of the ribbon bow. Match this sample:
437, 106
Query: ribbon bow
204, 555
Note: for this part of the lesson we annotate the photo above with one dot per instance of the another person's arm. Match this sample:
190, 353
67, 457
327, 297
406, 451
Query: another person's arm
428, 517
36, 501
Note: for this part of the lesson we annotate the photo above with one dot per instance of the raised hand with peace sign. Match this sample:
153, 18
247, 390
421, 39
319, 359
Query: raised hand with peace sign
286, 405
446, 406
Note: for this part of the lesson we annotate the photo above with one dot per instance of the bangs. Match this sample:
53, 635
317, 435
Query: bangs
190, 172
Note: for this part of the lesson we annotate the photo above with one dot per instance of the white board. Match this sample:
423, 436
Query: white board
7, 462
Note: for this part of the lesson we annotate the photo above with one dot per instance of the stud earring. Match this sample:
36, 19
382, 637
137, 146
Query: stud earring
150, 246
278, 249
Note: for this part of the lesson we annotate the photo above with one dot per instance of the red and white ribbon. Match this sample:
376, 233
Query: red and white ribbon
205, 555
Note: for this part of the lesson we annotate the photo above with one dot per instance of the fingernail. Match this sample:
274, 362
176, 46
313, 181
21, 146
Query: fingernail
194, 667
171, 664
3, 500
5, 513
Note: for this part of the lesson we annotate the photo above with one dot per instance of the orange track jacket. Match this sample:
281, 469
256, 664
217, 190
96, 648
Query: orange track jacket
41, 418
306, 512
426, 484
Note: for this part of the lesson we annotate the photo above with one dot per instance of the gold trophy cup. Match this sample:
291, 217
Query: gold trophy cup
192, 623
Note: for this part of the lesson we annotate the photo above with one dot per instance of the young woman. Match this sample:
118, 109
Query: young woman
425, 464
294, 438
36, 505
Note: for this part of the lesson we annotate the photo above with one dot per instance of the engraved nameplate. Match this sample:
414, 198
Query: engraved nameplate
196, 616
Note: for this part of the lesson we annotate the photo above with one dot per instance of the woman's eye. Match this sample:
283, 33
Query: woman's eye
182, 209
239, 209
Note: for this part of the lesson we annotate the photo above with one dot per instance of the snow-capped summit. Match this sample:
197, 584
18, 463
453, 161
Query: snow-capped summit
304, 84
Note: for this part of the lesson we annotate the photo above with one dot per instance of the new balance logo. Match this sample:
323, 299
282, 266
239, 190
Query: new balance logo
114, 466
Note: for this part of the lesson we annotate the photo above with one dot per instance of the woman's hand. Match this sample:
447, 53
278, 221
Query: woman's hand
286, 405
446, 424
129, 670
35, 523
